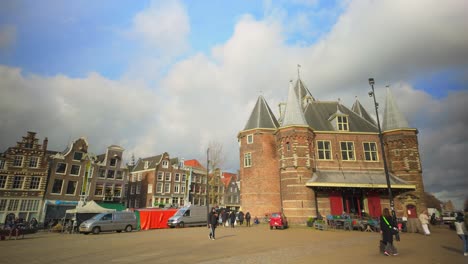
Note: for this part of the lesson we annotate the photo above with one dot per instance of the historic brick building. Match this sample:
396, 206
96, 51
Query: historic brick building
23, 178
323, 156
77, 175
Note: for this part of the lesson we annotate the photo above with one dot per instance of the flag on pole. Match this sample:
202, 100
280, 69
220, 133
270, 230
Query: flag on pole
86, 177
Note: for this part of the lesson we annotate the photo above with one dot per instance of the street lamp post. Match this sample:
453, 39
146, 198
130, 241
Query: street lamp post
387, 176
207, 183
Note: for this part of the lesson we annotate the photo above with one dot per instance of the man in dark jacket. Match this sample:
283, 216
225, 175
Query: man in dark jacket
212, 222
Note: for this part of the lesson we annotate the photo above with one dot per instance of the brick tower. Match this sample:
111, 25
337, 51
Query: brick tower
295, 141
260, 188
402, 151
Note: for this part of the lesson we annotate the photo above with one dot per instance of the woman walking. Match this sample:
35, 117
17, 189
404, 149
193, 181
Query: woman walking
462, 232
388, 228
424, 219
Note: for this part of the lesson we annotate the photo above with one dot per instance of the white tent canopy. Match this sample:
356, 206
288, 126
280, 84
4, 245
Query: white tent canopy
90, 208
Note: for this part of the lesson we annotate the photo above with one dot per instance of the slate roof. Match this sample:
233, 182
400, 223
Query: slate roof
360, 110
359, 179
152, 163
301, 90
293, 114
261, 116
393, 118
317, 114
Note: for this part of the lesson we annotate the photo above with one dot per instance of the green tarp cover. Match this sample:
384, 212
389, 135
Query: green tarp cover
116, 206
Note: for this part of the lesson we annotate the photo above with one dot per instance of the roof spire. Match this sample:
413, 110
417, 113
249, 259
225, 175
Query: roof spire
298, 74
362, 112
393, 118
293, 114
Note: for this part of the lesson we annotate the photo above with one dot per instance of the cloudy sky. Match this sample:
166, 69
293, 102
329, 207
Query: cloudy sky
157, 76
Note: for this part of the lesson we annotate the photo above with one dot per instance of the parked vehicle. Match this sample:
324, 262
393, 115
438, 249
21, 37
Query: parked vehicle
114, 221
192, 215
278, 220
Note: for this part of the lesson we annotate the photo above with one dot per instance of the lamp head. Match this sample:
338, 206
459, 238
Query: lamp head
371, 94
371, 81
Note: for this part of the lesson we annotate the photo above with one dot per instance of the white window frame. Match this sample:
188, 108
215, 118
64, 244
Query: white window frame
167, 187
134, 177
165, 164
247, 160
182, 188
160, 176
347, 151
79, 169
138, 188
373, 154
159, 187
18, 161
176, 188
250, 139
74, 192
132, 189
117, 187
2, 164
21, 182
150, 188
57, 166
342, 123
74, 153
177, 177
324, 150
61, 187
33, 162
140, 175
35, 182
3, 181
167, 176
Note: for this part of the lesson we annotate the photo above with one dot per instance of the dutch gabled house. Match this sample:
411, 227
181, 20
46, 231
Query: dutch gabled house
232, 191
23, 178
161, 181
77, 175
323, 156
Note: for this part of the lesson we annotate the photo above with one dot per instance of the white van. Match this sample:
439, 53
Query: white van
114, 221
192, 215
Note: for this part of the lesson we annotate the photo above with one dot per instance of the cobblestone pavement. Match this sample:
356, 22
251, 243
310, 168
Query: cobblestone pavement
241, 245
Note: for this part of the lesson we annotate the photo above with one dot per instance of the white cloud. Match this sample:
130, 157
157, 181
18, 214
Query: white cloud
164, 26
7, 37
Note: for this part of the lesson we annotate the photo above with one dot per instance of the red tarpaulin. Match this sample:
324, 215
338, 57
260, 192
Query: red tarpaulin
155, 218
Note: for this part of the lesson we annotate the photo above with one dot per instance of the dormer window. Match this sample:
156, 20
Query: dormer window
250, 139
146, 165
165, 164
77, 155
342, 123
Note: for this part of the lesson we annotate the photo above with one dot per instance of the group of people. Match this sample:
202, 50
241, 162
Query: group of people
222, 217
16, 224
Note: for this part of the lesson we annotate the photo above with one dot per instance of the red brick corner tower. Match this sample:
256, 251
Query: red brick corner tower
294, 143
259, 177
402, 150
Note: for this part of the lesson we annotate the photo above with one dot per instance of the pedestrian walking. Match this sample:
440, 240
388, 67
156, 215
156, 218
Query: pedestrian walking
462, 232
212, 223
424, 219
241, 218
232, 217
388, 228
247, 219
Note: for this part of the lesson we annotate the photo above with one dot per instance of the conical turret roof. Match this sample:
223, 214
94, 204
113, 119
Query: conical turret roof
393, 118
360, 110
293, 114
261, 116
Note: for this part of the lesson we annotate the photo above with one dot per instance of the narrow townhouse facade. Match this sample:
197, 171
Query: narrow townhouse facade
158, 181
232, 191
107, 183
77, 176
23, 178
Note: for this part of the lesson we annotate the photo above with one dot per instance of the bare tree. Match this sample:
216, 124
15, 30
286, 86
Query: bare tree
216, 159
216, 155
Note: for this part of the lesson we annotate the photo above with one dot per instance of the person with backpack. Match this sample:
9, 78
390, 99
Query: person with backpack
388, 228
462, 232
247, 219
